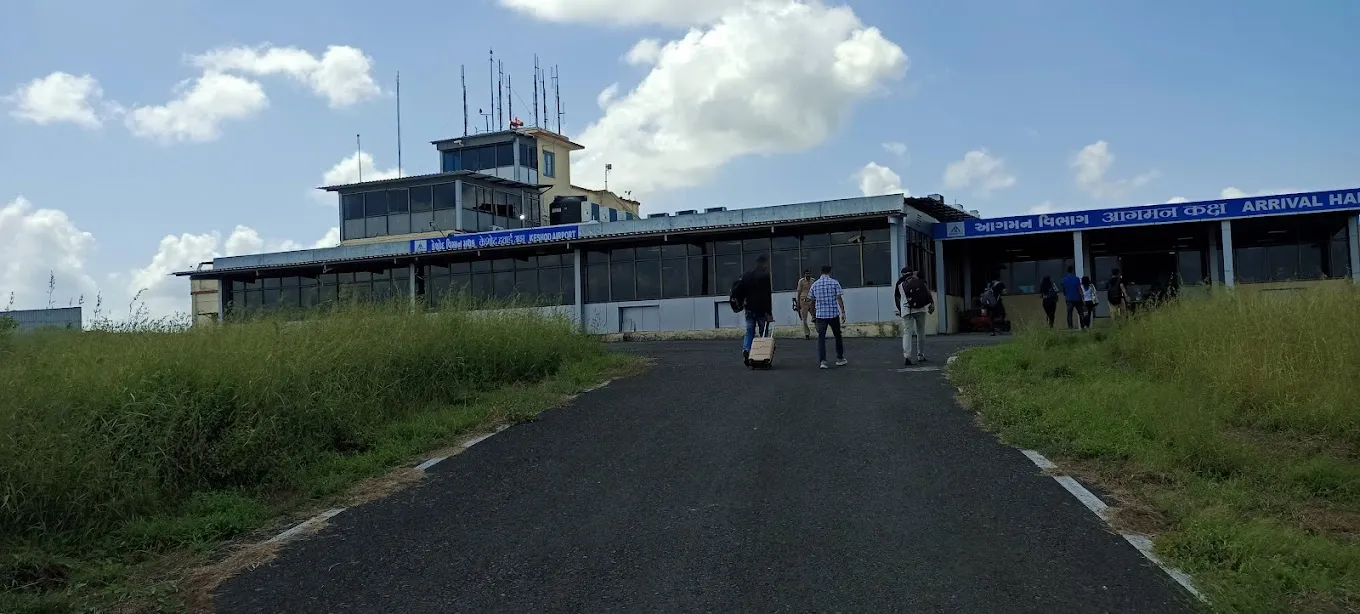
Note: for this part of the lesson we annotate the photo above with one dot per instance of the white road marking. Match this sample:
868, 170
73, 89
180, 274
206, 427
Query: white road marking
917, 369
430, 463
1142, 543
306, 524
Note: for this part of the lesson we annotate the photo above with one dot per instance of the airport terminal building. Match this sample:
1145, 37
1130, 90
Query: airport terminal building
503, 221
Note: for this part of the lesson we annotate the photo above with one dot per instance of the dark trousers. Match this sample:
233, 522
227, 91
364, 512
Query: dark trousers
1090, 309
1078, 307
835, 325
1051, 310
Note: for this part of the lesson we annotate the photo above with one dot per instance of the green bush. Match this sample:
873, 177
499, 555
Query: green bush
1232, 417
103, 428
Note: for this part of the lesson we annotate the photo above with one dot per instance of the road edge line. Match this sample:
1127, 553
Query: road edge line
1141, 543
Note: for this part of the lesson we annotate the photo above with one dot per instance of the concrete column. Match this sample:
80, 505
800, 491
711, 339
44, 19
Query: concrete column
896, 238
411, 283
1078, 253
580, 307
458, 223
1228, 276
224, 286
1353, 238
1213, 258
941, 299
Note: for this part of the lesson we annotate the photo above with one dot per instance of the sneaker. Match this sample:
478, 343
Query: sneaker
906, 361
841, 362
822, 365
920, 358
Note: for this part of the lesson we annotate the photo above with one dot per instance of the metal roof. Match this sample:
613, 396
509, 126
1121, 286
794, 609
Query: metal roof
938, 209
397, 181
713, 221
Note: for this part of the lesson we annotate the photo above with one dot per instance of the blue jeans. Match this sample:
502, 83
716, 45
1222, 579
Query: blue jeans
751, 321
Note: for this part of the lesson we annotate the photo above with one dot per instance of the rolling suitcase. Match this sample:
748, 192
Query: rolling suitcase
762, 347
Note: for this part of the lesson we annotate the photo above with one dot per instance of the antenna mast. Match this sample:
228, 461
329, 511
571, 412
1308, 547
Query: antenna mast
359, 156
398, 123
557, 94
510, 98
500, 98
543, 78
533, 100
462, 77
491, 81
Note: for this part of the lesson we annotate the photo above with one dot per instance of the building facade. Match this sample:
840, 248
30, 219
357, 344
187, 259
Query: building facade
34, 319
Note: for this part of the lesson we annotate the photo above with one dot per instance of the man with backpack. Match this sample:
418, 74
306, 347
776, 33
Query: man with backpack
992, 306
912, 301
753, 294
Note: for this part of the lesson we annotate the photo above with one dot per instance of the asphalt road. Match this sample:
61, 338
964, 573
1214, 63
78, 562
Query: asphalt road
700, 486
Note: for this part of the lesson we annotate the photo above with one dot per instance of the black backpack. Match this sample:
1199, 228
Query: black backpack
918, 295
736, 297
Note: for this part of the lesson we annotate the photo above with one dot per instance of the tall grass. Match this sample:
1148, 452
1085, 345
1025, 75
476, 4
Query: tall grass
102, 430
1229, 424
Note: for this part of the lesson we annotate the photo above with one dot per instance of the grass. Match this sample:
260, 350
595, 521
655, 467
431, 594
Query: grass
123, 451
1227, 426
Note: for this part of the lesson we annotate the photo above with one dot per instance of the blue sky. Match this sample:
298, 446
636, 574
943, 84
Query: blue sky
1189, 99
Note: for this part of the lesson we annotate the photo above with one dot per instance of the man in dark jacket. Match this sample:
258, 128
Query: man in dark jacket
758, 296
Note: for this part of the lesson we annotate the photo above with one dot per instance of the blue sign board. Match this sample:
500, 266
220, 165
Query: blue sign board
497, 238
1209, 210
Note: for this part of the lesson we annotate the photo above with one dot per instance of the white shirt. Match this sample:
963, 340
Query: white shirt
1088, 293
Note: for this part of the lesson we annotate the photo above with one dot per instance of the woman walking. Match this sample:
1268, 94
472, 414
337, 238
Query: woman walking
1088, 301
1049, 292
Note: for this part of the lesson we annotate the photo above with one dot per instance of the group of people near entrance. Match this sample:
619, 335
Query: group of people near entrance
1080, 294
823, 301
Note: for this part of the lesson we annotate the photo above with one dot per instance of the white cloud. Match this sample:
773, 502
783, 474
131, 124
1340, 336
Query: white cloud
347, 171
877, 180
646, 52
37, 245
1176, 200
607, 95
895, 148
1092, 164
163, 294
58, 97
625, 12
198, 109
343, 75
1232, 192
980, 171
802, 68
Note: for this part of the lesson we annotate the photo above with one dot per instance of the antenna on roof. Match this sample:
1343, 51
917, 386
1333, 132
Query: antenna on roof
534, 99
398, 123
500, 100
510, 101
543, 80
491, 82
462, 77
359, 157
557, 94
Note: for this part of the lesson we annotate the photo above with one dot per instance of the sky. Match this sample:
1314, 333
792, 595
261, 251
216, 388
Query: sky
141, 137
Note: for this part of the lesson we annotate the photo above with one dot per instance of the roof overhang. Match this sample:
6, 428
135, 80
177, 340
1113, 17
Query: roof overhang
397, 182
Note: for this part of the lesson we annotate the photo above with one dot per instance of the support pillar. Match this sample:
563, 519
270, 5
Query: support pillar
579, 309
1353, 238
223, 286
896, 238
458, 223
941, 299
1214, 275
1078, 253
1228, 276
411, 283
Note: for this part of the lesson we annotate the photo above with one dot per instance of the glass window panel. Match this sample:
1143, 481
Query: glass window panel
597, 283
422, 221
290, 282
748, 259
550, 285
728, 269
526, 262
784, 270
270, 282
700, 276
353, 229
845, 266
1190, 266
1024, 278
399, 223
549, 164
569, 259
1282, 262
814, 258
761, 244
526, 284
816, 240
421, 197
568, 288
398, 201
503, 264
878, 264
481, 288
673, 250
271, 298
727, 247
621, 287
650, 252
1249, 264
648, 279
445, 196
375, 226
1339, 260
505, 154
1310, 260
843, 238
353, 205
874, 235
375, 203
785, 243
481, 266
309, 297
621, 254
674, 278
549, 260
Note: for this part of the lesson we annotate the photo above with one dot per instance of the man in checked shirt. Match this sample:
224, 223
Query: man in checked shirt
828, 303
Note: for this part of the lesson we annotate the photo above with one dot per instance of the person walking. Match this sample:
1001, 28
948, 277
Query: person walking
757, 293
1072, 292
1116, 293
1088, 298
992, 305
828, 304
1048, 291
912, 302
803, 301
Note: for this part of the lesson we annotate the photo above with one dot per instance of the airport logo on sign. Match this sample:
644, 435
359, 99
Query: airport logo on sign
956, 229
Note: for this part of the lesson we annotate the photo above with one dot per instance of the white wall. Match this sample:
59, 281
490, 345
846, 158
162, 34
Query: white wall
864, 306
